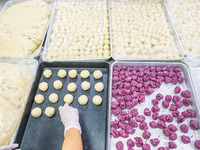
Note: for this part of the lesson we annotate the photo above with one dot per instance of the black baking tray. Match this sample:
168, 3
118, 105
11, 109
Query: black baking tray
48, 133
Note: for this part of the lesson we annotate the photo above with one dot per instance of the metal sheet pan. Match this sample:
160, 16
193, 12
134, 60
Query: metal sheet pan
48, 133
48, 40
51, 4
186, 85
176, 38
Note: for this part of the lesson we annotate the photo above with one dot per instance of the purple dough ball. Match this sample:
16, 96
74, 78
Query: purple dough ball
153, 124
172, 128
173, 136
173, 107
175, 113
143, 126
129, 129
176, 98
119, 145
185, 114
130, 148
130, 143
191, 112
114, 123
185, 139
139, 118
134, 112
166, 131
138, 141
180, 119
114, 133
147, 112
155, 142
165, 104
185, 94
146, 147
133, 123
186, 101
155, 101
179, 104
123, 133
161, 124
169, 118
155, 116
163, 148
172, 145
155, 109
146, 135
194, 124
159, 96
197, 144
184, 128
177, 90
168, 98
163, 117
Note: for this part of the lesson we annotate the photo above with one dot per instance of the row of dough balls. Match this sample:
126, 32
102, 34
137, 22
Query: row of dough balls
80, 31
37, 112
99, 86
73, 74
68, 98
186, 17
140, 30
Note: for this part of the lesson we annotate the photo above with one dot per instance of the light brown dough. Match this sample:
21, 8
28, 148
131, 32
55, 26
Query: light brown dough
97, 100
53, 98
83, 99
50, 112
47, 73
68, 98
36, 112
99, 87
85, 74
43, 86
39, 98
85, 85
57, 84
97, 74
62, 73
73, 73
72, 87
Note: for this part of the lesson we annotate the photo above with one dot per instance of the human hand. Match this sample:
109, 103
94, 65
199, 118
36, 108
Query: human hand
9, 147
69, 117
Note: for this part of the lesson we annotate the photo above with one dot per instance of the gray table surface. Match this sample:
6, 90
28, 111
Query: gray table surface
2, 3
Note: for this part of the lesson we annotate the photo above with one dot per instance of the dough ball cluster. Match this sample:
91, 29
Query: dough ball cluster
81, 31
140, 31
186, 17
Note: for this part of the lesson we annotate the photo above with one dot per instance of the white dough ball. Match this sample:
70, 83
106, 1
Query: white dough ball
99, 87
50, 112
39, 98
68, 98
36, 112
83, 100
62, 73
53, 98
85, 85
72, 87
57, 84
43, 86
85, 74
47, 73
97, 74
97, 100
72, 73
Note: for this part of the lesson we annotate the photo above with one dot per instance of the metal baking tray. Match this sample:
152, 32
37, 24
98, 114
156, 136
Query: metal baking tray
32, 65
174, 33
48, 40
170, 87
51, 4
48, 133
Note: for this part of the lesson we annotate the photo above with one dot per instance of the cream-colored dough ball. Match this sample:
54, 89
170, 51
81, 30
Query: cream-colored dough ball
47, 73
97, 100
72, 87
39, 98
57, 84
85, 85
68, 98
85, 74
83, 100
97, 74
36, 112
72, 73
53, 98
43, 86
62, 73
99, 87
50, 112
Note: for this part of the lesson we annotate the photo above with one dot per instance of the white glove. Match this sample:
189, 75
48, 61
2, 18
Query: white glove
69, 117
9, 147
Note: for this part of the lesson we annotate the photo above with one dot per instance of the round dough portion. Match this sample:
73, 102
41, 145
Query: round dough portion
43, 86
68, 98
83, 100
57, 84
36, 112
97, 100
99, 86
72, 73
50, 112
85, 74
39, 98
72, 87
85, 85
97, 74
62, 73
47, 73
53, 98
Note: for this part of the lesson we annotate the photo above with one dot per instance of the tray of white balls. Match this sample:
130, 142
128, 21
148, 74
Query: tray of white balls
84, 86
152, 106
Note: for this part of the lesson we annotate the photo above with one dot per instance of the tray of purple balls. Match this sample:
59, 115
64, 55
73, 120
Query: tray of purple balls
153, 106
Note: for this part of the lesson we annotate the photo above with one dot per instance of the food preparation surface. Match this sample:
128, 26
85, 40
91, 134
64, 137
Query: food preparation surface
48, 133
165, 89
